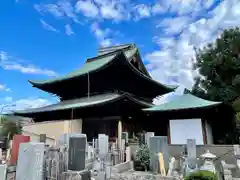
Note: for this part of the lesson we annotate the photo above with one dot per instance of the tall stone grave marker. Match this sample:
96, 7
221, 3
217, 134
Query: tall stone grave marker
77, 153
158, 144
141, 139
125, 137
3, 171
147, 137
64, 138
30, 161
236, 149
191, 153
103, 145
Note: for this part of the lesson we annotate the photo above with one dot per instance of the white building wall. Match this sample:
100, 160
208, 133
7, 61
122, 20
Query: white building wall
183, 129
53, 129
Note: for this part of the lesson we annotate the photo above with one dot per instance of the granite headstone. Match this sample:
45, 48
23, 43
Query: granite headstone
158, 144
77, 153
30, 161
191, 153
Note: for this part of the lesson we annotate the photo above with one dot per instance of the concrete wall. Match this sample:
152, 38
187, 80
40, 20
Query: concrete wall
53, 129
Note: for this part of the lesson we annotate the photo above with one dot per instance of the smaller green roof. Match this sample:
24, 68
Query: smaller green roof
185, 101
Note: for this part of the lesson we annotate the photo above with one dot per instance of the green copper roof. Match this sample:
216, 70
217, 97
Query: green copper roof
96, 64
84, 102
185, 101
110, 49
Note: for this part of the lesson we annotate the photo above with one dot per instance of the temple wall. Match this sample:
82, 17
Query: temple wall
36, 137
53, 129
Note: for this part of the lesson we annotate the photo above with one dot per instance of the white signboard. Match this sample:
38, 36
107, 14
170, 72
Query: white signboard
183, 129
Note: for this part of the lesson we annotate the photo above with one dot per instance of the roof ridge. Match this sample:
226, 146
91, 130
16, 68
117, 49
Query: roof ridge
89, 60
124, 45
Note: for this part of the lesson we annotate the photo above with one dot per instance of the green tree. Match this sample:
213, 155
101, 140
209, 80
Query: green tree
218, 65
9, 128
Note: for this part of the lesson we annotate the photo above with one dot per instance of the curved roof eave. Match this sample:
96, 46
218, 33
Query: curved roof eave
75, 74
169, 88
105, 64
77, 104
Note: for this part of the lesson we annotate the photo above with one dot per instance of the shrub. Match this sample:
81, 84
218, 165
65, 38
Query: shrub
202, 175
143, 156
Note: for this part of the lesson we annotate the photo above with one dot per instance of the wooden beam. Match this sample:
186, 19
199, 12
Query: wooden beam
204, 131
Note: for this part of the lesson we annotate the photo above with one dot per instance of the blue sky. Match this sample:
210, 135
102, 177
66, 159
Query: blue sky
48, 38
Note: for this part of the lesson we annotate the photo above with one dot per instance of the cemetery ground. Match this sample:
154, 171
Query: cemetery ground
150, 158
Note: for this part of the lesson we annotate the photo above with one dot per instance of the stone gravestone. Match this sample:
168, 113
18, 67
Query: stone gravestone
191, 153
236, 149
103, 145
3, 171
141, 139
77, 153
147, 137
30, 161
125, 137
158, 144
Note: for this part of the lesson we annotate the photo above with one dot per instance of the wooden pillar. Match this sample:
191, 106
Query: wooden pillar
168, 132
204, 131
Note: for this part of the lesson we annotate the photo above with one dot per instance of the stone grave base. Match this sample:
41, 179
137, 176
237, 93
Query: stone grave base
122, 167
140, 175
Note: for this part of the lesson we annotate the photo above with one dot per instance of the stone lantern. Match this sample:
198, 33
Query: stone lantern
208, 164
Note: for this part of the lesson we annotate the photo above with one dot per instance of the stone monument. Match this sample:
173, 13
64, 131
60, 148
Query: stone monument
30, 161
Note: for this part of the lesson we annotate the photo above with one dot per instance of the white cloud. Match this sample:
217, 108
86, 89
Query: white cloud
172, 63
63, 8
50, 8
27, 103
158, 9
31, 103
8, 99
101, 35
29, 69
143, 11
88, 8
3, 56
48, 26
12, 63
68, 9
69, 30
3, 87
174, 25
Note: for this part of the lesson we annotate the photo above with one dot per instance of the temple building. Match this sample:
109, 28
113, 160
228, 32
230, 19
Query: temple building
115, 86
